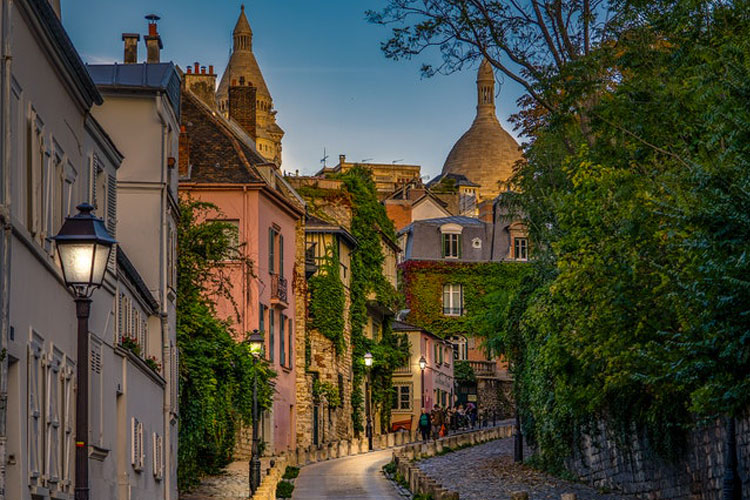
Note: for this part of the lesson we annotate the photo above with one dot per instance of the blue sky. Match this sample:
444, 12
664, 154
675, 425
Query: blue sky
322, 62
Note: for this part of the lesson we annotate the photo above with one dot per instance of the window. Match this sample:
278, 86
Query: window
451, 245
460, 347
281, 255
291, 343
271, 250
262, 319
521, 248
271, 333
401, 397
282, 340
137, 455
233, 235
453, 300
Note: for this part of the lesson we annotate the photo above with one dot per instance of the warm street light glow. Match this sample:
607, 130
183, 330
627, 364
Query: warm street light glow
422, 363
368, 359
255, 340
83, 245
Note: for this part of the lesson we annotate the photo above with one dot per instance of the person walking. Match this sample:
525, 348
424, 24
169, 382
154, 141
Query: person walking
424, 424
437, 419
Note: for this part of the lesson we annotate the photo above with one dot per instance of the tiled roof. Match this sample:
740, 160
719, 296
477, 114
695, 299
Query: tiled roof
216, 153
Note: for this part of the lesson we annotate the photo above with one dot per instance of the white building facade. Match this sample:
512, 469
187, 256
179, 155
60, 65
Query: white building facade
55, 155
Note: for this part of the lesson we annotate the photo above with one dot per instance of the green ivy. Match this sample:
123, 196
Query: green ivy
216, 372
329, 391
328, 300
464, 373
369, 225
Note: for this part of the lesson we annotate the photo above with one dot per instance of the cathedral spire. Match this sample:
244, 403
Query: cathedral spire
485, 89
242, 34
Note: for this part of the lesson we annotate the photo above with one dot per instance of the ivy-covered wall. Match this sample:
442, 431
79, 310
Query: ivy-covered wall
482, 283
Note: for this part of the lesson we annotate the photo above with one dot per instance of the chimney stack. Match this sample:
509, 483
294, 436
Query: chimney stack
200, 83
153, 40
131, 47
342, 159
242, 104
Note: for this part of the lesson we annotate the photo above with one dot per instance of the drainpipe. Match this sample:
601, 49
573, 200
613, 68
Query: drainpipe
5, 222
164, 299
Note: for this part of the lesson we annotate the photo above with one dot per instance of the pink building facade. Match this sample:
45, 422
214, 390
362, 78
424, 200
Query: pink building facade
219, 164
416, 388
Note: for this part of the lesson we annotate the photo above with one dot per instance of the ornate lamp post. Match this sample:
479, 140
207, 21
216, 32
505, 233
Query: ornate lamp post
368, 409
255, 341
83, 246
422, 366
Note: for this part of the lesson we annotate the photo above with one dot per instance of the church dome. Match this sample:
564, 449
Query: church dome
486, 153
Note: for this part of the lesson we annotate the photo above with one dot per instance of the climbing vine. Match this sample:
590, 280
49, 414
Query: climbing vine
328, 300
370, 225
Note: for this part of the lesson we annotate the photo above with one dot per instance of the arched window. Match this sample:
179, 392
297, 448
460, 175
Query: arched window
460, 347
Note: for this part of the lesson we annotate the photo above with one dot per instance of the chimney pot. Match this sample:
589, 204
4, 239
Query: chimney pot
190, 70
131, 47
210, 69
197, 67
342, 159
153, 40
203, 70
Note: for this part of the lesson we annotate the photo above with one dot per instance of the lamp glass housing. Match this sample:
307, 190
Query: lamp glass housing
368, 359
422, 363
255, 341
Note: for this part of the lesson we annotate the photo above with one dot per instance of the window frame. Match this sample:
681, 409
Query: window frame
450, 291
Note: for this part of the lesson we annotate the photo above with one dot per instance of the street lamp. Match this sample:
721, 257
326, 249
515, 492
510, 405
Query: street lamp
368, 409
255, 342
422, 366
83, 246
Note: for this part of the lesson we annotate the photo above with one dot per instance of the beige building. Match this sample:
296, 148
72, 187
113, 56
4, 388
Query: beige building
243, 71
387, 176
141, 113
57, 157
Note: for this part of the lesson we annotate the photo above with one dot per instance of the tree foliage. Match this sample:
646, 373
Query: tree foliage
216, 372
635, 190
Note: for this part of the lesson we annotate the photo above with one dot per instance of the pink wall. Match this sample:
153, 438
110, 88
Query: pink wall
256, 211
436, 375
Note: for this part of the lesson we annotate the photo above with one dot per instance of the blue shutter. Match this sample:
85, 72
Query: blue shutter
282, 347
271, 333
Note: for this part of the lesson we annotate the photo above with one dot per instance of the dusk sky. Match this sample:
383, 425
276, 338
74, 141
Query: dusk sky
330, 83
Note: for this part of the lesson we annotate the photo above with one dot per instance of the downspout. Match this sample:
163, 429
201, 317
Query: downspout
163, 313
5, 220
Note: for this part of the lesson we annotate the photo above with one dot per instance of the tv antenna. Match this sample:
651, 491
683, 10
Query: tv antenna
365, 160
325, 157
397, 161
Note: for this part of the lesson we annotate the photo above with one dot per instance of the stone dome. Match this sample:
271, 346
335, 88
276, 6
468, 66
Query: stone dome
486, 153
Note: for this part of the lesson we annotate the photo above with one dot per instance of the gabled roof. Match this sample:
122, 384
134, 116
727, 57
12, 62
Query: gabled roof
216, 153
141, 77
316, 225
460, 180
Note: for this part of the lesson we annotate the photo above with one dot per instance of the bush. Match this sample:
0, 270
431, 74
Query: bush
284, 489
290, 472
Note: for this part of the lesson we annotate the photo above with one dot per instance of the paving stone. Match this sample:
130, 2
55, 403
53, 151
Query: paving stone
487, 472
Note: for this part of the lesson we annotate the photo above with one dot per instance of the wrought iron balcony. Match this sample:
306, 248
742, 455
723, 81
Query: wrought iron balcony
279, 289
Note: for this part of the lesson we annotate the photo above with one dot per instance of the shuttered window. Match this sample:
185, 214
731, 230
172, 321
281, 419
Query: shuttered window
282, 346
281, 255
158, 454
95, 392
271, 333
136, 444
271, 250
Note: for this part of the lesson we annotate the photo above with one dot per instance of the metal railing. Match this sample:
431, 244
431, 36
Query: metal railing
279, 288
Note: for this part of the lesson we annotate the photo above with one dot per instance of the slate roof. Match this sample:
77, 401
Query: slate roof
216, 152
127, 267
401, 326
141, 77
461, 220
460, 179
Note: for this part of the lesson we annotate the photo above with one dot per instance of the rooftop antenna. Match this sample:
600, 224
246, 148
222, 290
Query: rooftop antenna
365, 160
397, 161
325, 157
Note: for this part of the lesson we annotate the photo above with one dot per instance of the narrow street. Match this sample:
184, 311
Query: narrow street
356, 477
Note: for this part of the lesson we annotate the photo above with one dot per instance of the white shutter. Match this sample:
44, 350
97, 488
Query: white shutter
158, 457
68, 402
34, 390
136, 441
111, 219
120, 318
95, 387
52, 451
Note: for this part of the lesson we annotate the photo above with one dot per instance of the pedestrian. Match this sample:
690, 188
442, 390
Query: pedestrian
437, 419
424, 424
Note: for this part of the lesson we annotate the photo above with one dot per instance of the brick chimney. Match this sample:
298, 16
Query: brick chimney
131, 47
202, 83
153, 40
242, 106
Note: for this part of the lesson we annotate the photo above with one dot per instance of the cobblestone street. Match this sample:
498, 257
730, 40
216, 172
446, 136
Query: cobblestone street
487, 472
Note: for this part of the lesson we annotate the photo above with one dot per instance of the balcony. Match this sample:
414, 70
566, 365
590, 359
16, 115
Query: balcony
483, 368
453, 311
279, 290
402, 370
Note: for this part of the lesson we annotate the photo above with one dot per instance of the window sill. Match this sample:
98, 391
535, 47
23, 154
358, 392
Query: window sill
287, 369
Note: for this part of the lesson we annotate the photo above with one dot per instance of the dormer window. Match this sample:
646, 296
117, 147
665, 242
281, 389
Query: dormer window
451, 240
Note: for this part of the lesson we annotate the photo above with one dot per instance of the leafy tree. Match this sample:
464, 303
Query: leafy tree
216, 372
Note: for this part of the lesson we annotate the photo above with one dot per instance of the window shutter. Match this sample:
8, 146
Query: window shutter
271, 333
68, 424
443, 242
282, 347
291, 342
158, 457
459, 239
137, 455
174, 378
95, 386
111, 219
120, 318
281, 255
270, 250
34, 412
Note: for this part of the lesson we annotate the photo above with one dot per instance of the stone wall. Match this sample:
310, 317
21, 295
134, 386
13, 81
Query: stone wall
698, 475
494, 398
